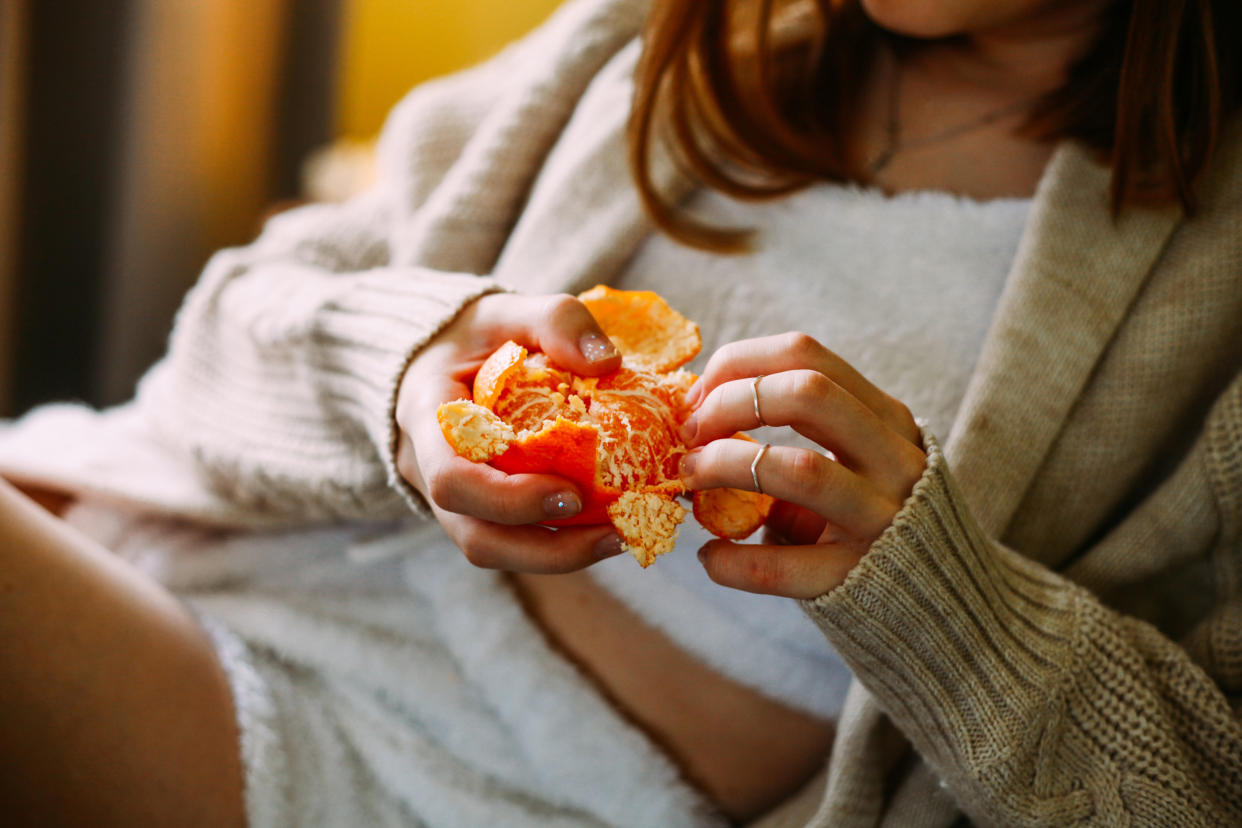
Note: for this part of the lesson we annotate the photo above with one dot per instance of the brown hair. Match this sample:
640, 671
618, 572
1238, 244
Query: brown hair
752, 97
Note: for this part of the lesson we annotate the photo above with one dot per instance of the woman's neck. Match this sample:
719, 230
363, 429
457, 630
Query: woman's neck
947, 114
1024, 57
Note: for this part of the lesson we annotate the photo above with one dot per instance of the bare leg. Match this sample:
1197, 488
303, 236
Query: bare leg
114, 709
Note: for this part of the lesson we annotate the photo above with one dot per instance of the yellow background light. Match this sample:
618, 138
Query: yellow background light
391, 45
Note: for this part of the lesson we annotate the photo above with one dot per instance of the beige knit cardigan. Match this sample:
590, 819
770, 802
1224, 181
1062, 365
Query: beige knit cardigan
1051, 631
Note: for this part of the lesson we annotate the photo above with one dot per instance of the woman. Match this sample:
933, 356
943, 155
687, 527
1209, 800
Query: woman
1039, 619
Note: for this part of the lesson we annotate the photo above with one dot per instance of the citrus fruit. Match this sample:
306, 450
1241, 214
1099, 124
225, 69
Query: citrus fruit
615, 436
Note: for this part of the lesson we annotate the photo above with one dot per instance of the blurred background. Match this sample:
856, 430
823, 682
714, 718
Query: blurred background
138, 136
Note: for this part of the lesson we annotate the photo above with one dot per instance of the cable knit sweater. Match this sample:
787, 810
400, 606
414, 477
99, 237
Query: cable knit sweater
1050, 633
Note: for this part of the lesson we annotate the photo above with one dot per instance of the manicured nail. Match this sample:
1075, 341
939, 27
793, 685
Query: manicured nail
687, 464
562, 504
608, 546
596, 347
688, 429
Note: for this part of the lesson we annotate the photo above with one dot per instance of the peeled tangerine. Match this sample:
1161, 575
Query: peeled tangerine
615, 435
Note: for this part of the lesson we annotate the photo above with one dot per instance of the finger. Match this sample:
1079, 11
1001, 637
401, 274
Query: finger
802, 572
791, 351
794, 524
560, 326
435, 377
819, 409
534, 549
798, 475
457, 485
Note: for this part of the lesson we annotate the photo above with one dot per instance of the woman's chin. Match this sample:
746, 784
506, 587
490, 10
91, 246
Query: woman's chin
927, 21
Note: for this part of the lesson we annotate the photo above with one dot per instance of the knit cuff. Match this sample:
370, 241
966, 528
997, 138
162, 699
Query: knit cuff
369, 336
958, 638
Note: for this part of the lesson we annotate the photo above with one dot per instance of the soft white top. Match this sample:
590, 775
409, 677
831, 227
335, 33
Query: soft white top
903, 288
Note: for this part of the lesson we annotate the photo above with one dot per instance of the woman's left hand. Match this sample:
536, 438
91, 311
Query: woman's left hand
831, 506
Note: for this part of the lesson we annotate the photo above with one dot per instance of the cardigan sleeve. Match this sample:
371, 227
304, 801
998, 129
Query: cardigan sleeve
1035, 702
280, 381
281, 377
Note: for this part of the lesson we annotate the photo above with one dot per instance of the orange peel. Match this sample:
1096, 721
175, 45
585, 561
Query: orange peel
615, 436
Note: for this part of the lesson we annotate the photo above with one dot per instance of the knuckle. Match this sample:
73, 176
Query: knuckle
763, 572
711, 405
728, 350
803, 345
887, 510
914, 464
476, 550
810, 388
807, 470
562, 307
901, 416
476, 557
711, 459
725, 355
902, 411
719, 466
441, 491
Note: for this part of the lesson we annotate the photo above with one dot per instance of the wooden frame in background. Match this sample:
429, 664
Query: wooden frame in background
12, 106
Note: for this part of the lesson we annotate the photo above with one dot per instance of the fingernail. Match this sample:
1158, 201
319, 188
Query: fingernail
562, 504
702, 553
596, 347
608, 546
688, 430
687, 464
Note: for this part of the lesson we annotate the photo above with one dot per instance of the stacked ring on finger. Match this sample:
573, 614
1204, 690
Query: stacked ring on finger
802, 476
754, 464
754, 393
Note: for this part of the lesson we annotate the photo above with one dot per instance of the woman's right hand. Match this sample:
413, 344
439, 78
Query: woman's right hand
489, 514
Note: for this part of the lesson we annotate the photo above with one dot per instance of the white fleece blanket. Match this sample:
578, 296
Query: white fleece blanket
382, 680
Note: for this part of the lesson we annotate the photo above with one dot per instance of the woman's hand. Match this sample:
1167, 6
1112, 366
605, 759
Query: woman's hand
831, 507
488, 513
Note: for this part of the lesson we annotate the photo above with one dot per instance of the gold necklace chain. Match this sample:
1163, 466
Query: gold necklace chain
893, 144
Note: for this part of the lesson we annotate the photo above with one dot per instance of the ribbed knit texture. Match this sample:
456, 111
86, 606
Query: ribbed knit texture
1054, 621
1024, 692
286, 359
284, 364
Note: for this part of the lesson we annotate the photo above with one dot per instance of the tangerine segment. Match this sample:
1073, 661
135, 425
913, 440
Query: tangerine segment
615, 437
540, 392
650, 335
731, 513
639, 414
473, 431
647, 523
495, 371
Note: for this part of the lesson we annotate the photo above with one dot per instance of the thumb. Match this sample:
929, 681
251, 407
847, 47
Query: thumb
573, 339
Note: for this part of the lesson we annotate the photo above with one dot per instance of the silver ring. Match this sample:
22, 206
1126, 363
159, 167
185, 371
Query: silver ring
754, 393
754, 467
